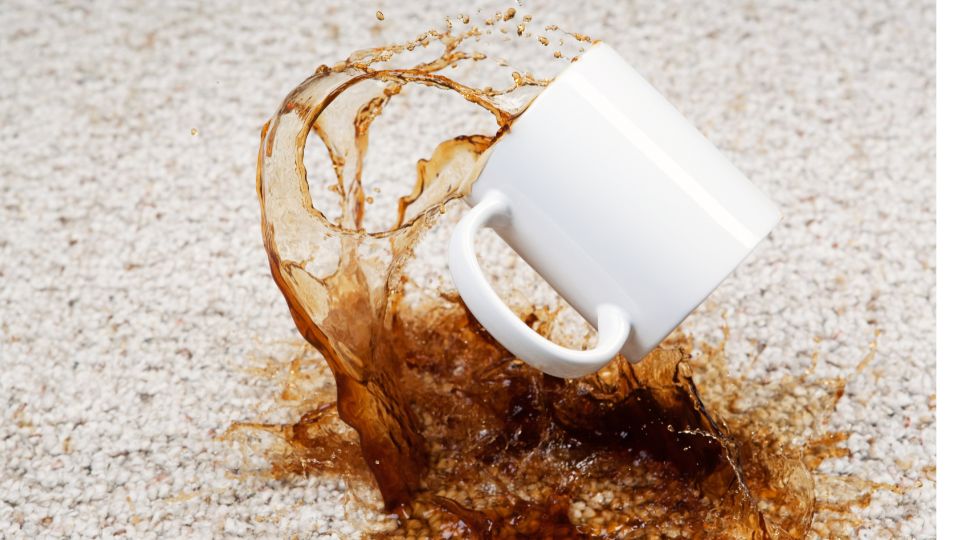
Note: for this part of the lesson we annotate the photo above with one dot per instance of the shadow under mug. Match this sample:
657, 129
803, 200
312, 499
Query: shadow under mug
619, 203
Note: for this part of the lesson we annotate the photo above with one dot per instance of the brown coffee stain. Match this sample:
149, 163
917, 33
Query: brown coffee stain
462, 439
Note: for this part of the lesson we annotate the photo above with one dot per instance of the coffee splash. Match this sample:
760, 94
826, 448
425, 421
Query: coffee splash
461, 438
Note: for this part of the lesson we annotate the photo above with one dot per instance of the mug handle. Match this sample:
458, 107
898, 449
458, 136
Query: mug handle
612, 322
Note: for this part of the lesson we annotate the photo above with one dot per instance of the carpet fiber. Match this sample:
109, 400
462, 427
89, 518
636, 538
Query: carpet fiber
135, 295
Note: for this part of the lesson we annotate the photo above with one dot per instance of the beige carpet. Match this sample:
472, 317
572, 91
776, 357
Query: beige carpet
134, 290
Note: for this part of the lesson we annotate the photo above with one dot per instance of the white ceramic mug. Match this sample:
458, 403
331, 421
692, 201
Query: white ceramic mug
619, 203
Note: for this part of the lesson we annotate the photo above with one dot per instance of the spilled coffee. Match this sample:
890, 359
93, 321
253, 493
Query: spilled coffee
460, 438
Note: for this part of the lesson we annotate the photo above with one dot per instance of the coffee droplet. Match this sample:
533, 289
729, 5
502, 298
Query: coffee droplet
509, 14
465, 19
520, 29
543, 41
194, 131
379, 15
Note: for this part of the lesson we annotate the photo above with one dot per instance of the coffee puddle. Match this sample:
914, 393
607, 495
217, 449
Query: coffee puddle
460, 438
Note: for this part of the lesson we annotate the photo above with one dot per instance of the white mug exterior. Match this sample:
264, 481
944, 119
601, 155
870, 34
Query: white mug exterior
619, 203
